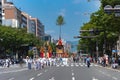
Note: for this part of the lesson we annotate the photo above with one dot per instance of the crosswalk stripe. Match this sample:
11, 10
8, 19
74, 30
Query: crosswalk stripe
74, 64
81, 65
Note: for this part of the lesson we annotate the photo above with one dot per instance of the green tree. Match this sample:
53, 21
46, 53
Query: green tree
12, 39
107, 24
30, 53
60, 22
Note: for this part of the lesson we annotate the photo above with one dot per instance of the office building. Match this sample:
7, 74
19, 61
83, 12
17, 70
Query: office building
47, 37
11, 15
39, 27
14, 17
28, 23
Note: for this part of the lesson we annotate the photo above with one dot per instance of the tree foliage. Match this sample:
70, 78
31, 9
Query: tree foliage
60, 22
108, 26
14, 38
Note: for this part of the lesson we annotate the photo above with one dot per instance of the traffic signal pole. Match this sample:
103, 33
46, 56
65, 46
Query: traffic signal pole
93, 31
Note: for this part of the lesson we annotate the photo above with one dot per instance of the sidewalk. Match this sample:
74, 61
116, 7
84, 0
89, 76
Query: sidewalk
14, 66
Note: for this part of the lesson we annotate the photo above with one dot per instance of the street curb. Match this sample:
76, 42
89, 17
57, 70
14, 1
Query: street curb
110, 68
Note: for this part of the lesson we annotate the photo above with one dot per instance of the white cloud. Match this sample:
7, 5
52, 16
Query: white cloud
62, 12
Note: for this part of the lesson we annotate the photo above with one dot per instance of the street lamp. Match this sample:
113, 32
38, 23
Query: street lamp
109, 9
117, 10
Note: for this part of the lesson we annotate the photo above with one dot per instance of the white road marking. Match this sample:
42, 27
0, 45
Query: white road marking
58, 65
72, 65
67, 65
11, 78
32, 78
39, 74
52, 78
94, 78
77, 65
73, 78
85, 65
81, 65
72, 74
114, 78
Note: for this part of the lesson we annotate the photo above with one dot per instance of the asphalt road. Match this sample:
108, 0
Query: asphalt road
72, 71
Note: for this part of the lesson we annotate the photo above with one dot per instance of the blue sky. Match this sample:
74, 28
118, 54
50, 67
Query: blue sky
75, 12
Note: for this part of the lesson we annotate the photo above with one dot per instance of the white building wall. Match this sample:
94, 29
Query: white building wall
10, 22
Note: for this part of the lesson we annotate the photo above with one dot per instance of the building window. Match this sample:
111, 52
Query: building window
3, 11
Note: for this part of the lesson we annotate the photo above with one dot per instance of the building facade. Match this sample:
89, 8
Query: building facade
0, 11
11, 16
28, 23
39, 28
47, 37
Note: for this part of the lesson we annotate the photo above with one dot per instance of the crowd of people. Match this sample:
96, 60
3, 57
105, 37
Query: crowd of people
104, 61
109, 61
5, 62
39, 63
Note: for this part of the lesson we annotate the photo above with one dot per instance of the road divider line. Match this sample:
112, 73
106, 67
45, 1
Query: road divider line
73, 78
32, 78
39, 74
72, 74
94, 78
114, 78
11, 78
52, 78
